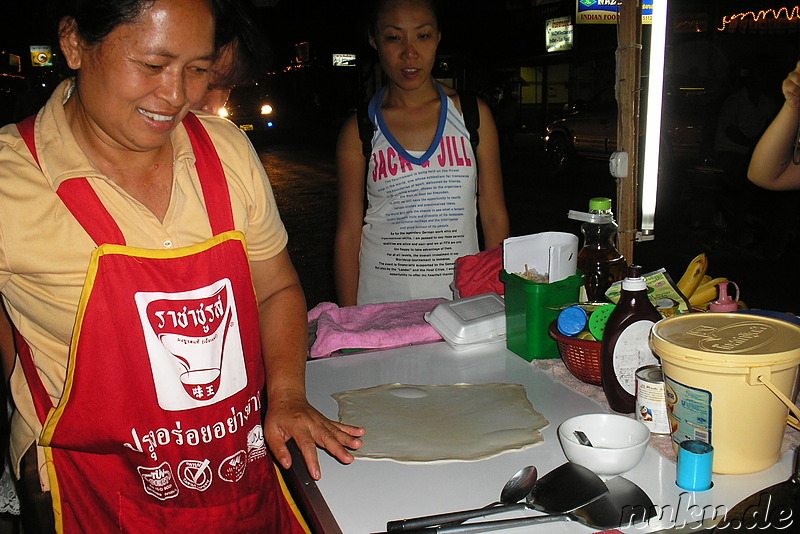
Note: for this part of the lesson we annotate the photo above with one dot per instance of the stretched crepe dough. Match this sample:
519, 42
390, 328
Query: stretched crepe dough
410, 423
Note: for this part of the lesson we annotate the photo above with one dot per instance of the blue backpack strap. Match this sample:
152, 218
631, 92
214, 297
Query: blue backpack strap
365, 128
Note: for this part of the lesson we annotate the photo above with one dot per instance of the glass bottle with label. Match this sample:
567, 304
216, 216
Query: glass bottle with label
626, 345
601, 262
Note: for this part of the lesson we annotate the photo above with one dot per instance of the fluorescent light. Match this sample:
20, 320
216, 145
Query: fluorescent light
655, 91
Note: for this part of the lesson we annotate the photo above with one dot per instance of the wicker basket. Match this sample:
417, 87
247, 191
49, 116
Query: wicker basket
581, 356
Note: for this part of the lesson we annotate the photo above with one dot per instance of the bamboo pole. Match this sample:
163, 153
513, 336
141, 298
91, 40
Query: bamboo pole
629, 68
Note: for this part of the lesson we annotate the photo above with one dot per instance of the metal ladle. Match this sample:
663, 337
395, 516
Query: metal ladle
518, 486
516, 489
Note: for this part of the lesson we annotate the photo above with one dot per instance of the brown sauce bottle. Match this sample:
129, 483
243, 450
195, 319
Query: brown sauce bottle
626, 345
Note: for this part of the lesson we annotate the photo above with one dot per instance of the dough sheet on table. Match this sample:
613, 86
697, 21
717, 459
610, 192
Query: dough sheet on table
419, 423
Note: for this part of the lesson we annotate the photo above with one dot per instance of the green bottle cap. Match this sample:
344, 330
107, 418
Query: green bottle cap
598, 320
599, 204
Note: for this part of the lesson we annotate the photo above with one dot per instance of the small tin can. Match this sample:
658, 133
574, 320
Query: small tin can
667, 307
651, 406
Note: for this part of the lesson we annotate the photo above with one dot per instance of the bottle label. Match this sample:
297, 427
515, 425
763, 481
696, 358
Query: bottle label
689, 411
632, 351
651, 408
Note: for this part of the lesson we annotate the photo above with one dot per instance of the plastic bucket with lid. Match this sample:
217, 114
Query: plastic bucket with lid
729, 378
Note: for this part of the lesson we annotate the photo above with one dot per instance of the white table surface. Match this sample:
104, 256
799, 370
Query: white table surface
366, 494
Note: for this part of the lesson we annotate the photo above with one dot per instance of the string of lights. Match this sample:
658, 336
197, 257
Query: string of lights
786, 13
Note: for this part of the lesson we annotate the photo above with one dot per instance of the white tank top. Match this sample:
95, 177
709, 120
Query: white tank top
421, 213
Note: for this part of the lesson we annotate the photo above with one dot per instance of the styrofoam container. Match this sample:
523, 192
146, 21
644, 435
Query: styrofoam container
470, 322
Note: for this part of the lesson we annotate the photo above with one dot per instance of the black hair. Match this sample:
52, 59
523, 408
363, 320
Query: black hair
377, 7
235, 26
95, 19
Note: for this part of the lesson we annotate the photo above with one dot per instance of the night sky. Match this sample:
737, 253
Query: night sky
336, 25
23, 23
480, 30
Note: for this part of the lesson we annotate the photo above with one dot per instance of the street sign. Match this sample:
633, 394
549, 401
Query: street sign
559, 34
41, 56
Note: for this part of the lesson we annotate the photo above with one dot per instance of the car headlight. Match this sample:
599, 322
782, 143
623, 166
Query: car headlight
223, 112
266, 109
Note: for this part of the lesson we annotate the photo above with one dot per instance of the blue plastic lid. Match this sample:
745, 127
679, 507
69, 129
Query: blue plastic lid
774, 314
572, 321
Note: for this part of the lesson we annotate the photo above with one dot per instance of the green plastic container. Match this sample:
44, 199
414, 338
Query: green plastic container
530, 308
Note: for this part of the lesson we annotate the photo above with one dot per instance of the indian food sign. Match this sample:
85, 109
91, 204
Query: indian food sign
607, 12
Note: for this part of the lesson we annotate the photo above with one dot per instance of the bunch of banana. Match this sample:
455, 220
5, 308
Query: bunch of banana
698, 287
693, 276
706, 293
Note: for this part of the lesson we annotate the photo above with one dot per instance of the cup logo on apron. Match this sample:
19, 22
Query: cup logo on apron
194, 345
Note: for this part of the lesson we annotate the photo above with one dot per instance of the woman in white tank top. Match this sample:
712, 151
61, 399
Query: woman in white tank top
425, 185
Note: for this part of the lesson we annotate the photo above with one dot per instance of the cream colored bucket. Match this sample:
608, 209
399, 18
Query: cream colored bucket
728, 379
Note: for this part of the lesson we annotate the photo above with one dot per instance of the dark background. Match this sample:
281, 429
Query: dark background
484, 43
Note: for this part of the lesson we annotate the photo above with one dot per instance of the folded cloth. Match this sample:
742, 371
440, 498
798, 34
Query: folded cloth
480, 273
371, 326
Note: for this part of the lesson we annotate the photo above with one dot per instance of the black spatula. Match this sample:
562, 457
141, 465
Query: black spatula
564, 489
625, 504
775, 508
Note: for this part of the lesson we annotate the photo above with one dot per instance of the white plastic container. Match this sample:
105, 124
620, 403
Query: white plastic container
470, 322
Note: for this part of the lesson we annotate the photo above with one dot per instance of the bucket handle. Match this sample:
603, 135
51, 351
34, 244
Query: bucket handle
794, 417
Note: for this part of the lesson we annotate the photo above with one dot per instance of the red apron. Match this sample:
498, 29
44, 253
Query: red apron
159, 424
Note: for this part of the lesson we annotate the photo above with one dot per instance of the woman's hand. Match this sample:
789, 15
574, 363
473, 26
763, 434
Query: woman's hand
791, 87
290, 416
284, 344
772, 165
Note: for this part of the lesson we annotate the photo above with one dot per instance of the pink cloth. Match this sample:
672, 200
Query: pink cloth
371, 326
480, 273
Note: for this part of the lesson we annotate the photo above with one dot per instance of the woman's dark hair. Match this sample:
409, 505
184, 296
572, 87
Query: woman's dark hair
377, 7
95, 19
235, 26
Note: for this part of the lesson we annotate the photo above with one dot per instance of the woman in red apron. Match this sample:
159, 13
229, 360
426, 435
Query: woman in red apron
150, 417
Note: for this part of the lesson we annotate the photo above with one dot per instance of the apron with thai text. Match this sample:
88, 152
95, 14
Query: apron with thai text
159, 425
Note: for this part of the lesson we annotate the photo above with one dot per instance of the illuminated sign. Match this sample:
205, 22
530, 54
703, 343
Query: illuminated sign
558, 34
41, 56
607, 12
344, 60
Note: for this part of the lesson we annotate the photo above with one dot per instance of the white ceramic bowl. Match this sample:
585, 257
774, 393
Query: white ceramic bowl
618, 442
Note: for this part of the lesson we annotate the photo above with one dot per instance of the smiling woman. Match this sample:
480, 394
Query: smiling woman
134, 88
143, 264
